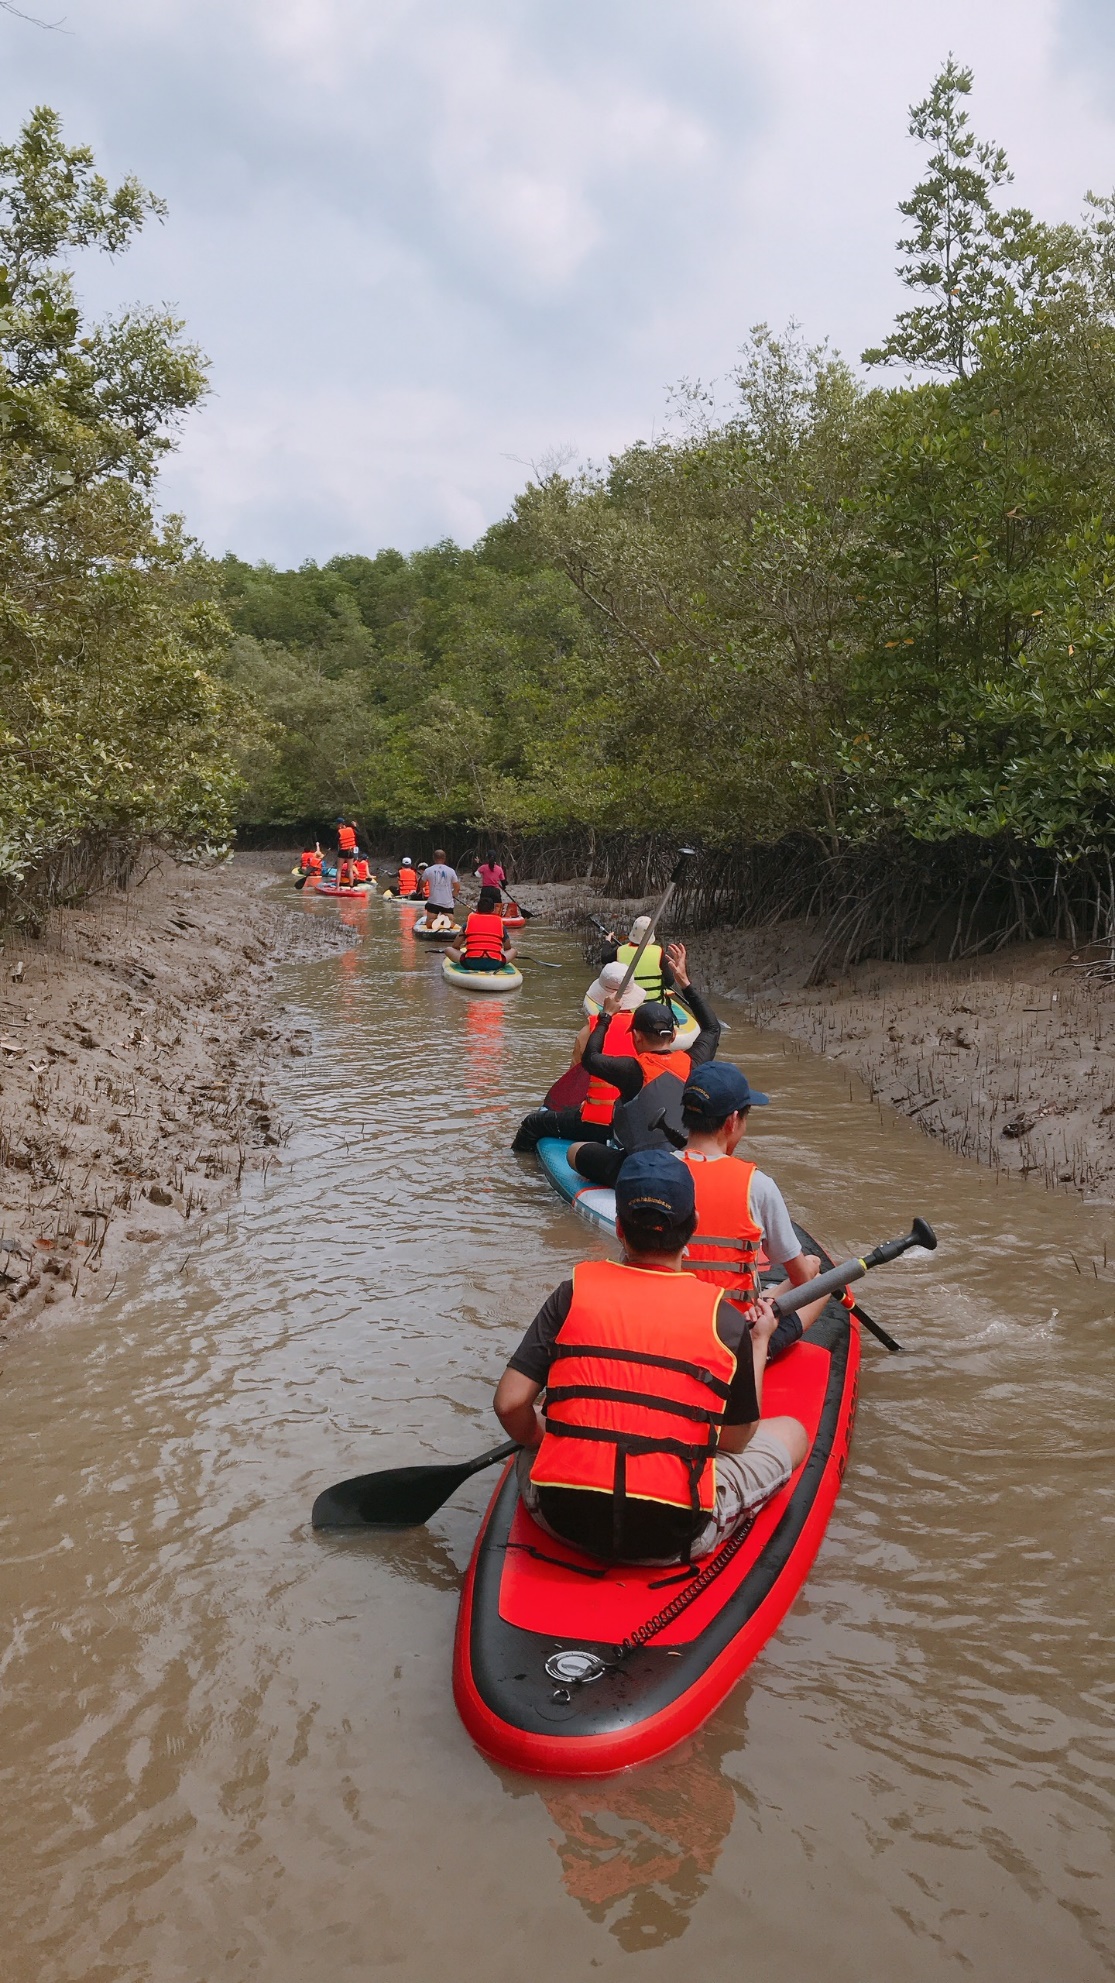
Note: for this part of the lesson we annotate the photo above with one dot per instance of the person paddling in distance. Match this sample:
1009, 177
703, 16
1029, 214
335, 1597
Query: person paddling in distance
484, 944
650, 1081
492, 874
346, 841
636, 1393
740, 1211
408, 879
653, 971
441, 888
591, 1119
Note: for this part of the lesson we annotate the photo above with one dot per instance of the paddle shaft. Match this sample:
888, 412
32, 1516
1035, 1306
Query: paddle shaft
648, 935
835, 1279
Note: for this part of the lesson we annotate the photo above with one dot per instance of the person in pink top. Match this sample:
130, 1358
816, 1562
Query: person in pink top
491, 873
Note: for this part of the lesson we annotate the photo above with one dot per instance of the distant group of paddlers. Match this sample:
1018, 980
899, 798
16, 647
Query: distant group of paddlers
482, 943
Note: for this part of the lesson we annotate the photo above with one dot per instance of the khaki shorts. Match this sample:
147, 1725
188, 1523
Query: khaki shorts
743, 1482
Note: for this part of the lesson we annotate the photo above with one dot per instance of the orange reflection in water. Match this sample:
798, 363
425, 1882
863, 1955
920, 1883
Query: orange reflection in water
637, 1851
484, 1032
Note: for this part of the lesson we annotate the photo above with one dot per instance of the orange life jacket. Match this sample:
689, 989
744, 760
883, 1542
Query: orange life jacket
484, 937
361, 870
307, 862
315, 863
636, 1390
408, 881
726, 1245
600, 1102
346, 839
675, 1062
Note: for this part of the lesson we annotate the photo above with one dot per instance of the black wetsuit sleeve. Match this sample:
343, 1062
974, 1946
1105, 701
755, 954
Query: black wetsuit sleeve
742, 1407
708, 1039
608, 954
623, 1071
535, 1353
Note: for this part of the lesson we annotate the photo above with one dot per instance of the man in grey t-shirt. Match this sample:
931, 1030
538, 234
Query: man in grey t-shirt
715, 1106
442, 885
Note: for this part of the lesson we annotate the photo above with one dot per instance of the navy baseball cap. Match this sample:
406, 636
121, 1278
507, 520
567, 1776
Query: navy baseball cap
654, 1189
654, 1017
718, 1089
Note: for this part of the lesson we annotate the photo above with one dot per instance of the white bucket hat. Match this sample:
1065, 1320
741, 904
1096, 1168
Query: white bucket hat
610, 980
638, 929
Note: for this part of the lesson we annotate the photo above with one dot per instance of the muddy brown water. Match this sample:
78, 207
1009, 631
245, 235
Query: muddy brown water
229, 1748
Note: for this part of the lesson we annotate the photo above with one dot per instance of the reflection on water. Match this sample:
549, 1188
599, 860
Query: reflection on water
637, 1852
228, 1747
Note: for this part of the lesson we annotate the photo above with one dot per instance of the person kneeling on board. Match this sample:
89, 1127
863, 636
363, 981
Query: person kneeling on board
740, 1211
485, 944
408, 878
591, 1118
650, 1081
648, 1446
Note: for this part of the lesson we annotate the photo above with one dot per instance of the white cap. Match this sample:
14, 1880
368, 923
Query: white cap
610, 980
639, 928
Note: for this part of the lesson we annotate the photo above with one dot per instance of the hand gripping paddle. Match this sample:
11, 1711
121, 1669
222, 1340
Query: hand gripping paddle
921, 1233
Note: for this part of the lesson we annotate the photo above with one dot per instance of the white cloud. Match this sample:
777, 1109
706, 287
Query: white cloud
423, 240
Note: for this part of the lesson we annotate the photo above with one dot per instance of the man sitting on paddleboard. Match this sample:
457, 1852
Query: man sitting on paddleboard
740, 1211
648, 1446
485, 944
653, 971
650, 1080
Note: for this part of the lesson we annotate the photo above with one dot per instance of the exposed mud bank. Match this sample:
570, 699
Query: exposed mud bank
136, 1039
1010, 1059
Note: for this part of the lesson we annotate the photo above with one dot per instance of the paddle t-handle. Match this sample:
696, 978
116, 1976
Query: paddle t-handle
836, 1278
684, 854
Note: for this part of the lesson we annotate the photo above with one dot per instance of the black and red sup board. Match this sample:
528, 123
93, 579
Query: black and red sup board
553, 1671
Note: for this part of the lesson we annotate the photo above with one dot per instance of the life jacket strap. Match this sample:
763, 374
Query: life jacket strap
562, 1393
695, 1370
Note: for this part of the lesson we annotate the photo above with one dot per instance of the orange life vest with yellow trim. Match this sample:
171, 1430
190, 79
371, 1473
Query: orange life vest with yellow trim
484, 936
600, 1102
636, 1391
408, 881
726, 1245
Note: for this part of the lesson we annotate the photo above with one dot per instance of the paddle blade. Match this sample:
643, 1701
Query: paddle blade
399, 1498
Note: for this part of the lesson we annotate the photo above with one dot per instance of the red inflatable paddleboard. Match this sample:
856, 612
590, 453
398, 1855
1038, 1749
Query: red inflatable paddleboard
568, 1667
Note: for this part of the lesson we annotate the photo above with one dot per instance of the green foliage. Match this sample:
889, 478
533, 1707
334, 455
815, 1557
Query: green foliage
112, 723
977, 265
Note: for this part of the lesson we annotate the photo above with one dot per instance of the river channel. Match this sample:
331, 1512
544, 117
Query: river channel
228, 1747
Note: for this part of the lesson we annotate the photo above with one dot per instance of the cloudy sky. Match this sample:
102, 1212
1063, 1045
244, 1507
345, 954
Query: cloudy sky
427, 243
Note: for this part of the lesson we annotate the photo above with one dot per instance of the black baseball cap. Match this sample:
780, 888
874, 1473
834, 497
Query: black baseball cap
654, 1017
654, 1189
718, 1089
